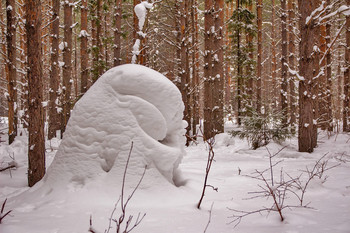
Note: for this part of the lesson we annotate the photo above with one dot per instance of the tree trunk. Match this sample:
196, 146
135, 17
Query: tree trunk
308, 63
284, 74
54, 122
117, 31
346, 102
208, 80
218, 68
291, 61
11, 69
239, 72
184, 69
259, 61
250, 68
329, 116
67, 67
84, 56
274, 82
195, 69
323, 124
36, 144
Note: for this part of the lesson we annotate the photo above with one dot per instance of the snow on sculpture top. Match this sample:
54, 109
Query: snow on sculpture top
129, 103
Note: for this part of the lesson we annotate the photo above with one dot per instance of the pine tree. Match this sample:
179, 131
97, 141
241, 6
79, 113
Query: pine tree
346, 102
11, 68
308, 63
54, 122
67, 67
36, 144
284, 70
84, 56
242, 23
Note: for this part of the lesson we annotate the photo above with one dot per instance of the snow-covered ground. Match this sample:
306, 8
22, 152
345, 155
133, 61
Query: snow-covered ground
133, 105
173, 209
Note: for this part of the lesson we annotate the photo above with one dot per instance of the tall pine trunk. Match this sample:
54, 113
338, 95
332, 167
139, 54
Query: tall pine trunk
67, 67
36, 144
54, 122
329, 77
291, 61
11, 69
308, 65
259, 61
284, 74
346, 102
208, 79
84, 56
117, 32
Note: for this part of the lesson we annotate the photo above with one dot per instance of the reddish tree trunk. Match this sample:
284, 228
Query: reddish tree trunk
36, 144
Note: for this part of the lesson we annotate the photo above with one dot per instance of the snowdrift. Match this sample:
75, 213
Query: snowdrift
129, 103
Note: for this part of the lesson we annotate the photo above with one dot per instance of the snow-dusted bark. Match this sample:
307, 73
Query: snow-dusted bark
54, 120
36, 143
309, 69
11, 68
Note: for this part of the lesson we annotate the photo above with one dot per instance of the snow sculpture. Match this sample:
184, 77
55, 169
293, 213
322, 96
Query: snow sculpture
129, 103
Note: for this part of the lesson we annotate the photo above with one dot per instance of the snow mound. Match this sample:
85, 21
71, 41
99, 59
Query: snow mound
128, 104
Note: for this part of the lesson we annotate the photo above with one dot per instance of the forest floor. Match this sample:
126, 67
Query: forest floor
327, 197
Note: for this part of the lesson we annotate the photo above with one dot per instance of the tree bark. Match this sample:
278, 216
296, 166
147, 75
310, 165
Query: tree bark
291, 61
117, 31
84, 56
218, 68
284, 74
329, 77
208, 79
274, 82
308, 63
259, 60
67, 67
11, 69
346, 102
184, 69
36, 144
54, 122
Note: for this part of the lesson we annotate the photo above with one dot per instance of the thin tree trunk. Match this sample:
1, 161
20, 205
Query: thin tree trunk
329, 77
184, 71
11, 69
36, 144
274, 82
84, 56
218, 68
346, 107
322, 80
291, 61
208, 79
239, 72
54, 122
250, 68
284, 74
195, 69
117, 31
259, 61
67, 67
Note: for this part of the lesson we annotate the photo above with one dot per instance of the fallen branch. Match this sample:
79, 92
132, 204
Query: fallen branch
2, 215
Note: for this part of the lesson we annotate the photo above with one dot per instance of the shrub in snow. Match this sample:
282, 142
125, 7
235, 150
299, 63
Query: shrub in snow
260, 129
129, 103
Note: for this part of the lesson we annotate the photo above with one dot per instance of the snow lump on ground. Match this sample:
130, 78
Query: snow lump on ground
129, 103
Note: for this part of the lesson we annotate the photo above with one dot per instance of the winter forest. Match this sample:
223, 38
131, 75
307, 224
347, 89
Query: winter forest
175, 116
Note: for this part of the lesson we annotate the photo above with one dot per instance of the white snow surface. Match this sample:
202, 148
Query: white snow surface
173, 209
129, 103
